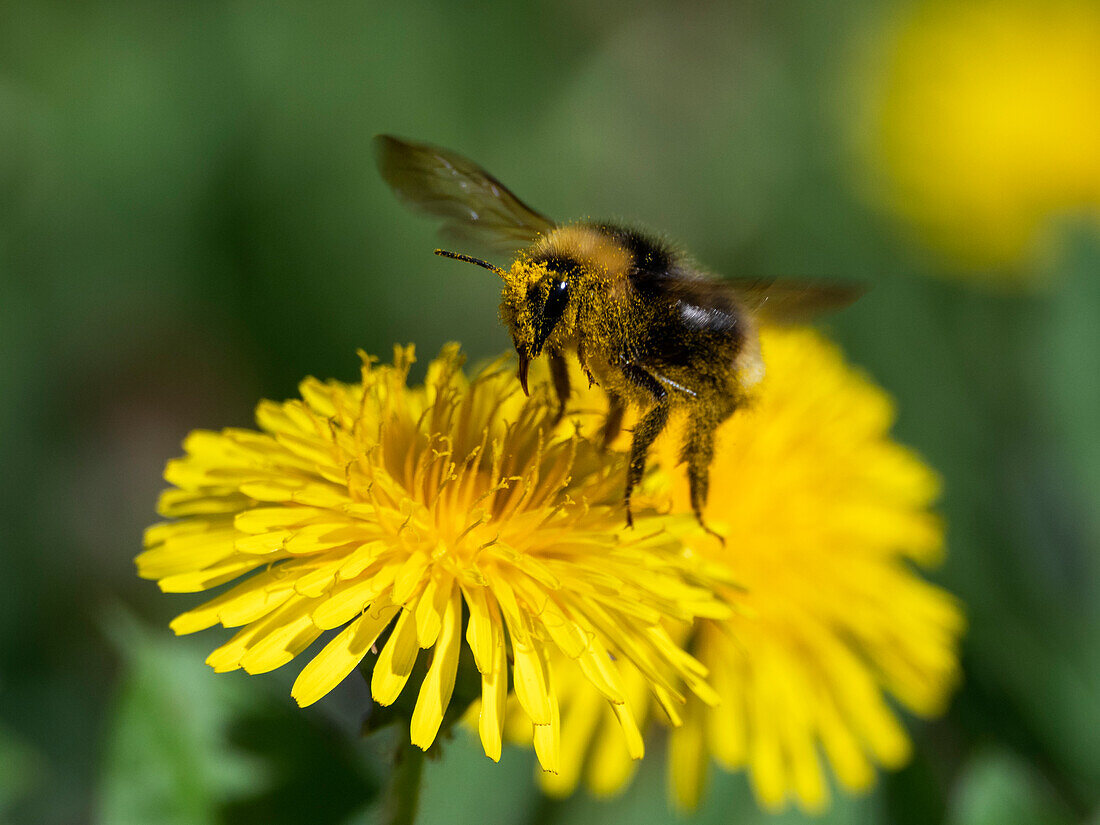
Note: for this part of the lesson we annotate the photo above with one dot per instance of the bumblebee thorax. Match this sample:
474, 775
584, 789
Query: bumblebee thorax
590, 249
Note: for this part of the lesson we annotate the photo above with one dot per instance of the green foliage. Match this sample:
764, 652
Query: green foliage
998, 789
169, 758
187, 746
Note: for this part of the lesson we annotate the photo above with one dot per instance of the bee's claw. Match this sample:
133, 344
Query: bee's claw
521, 372
706, 529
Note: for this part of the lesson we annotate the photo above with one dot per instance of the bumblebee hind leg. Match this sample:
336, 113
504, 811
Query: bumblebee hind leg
698, 453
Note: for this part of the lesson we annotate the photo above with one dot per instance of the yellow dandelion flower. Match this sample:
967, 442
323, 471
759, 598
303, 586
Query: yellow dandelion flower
985, 124
400, 517
824, 517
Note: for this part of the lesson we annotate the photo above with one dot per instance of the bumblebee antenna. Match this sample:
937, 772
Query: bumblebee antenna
471, 260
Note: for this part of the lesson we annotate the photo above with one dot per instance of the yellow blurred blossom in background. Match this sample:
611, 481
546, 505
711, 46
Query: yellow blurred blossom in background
984, 125
824, 517
402, 517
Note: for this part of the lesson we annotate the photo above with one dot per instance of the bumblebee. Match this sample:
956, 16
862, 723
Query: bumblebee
646, 323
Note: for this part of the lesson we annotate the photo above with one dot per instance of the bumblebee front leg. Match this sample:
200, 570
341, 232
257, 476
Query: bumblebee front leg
583, 360
559, 374
646, 431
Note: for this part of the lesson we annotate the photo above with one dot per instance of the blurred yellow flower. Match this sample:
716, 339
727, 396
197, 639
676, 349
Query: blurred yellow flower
985, 124
380, 510
824, 515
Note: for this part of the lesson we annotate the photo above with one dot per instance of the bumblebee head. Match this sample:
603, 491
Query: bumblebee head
534, 302
540, 291
573, 265
537, 307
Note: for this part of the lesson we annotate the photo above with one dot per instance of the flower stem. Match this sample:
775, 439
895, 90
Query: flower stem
404, 793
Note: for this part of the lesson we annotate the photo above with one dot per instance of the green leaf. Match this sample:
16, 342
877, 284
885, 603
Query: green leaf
996, 788
190, 746
168, 758
315, 771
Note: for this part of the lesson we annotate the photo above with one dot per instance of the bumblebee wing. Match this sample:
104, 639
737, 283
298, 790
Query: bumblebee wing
775, 301
473, 205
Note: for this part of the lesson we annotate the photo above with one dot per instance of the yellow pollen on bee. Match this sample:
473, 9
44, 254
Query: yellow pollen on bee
523, 275
590, 246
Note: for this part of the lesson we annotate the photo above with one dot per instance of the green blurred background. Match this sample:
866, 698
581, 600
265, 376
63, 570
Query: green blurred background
190, 220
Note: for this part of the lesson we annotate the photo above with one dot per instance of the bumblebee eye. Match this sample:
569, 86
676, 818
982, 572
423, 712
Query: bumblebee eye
552, 311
